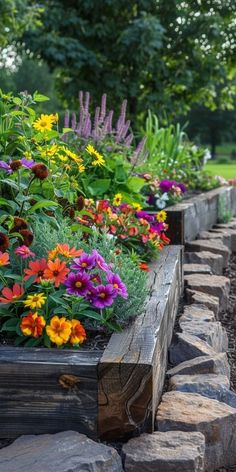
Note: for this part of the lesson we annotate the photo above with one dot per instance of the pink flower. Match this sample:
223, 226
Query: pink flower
24, 252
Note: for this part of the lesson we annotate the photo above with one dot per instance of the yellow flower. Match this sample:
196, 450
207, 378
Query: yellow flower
59, 330
78, 333
27, 155
90, 149
44, 123
81, 168
161, 216
54, 117
35, 301
99, 161
137, 206
117, 199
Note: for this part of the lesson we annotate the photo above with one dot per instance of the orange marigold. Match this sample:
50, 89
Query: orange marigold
78, 333
32, 325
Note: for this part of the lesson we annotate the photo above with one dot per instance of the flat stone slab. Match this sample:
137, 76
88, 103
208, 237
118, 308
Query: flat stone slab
211, 332
211, 386
197, 268
193, 412
196, 313
215, 261
199, 298
222, 236
62, 452
210, 245
231, 233
216, 364
216, 285
185, 347
171, 451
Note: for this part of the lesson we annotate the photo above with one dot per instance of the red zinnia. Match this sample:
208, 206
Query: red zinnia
10, 295
37, 269
57, 271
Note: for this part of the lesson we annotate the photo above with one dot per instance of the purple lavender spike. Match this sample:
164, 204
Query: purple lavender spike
138, 151
103, 108
73, 121
96, 123
122, 117
110, 117
129, 139
125, 130
81, 99
67, 119
81, 120
87, 99
87, 127
104, 130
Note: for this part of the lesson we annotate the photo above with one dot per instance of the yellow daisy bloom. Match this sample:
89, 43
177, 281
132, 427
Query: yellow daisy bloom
54, 117
90, 149
161, 216
81, 168
27, 155
99, 161
137, 206
62, 157
117, 199
44, 123
35, 301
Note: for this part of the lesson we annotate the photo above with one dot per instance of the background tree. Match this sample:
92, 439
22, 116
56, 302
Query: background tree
161, 55
16, 16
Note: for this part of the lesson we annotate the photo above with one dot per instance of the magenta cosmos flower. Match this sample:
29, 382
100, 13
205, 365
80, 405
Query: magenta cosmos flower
78, 284
100, 261
84, 262
103, 296
24, 252
118, 286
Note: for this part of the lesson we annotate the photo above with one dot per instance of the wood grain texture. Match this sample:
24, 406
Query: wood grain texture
47, 391
132, 368
188, 218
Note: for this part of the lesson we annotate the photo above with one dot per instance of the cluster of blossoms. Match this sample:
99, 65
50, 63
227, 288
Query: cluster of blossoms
129, 226
232, 181
77, 275
162, 193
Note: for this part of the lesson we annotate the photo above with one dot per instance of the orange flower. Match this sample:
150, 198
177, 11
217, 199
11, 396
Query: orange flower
32, 325
64, 250
37, 269
59, 330
11, 295
133, 231
57, 271
144, 267
78, 333
4, 259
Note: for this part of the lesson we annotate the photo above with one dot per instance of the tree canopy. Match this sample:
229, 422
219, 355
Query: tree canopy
158, 54
16, 16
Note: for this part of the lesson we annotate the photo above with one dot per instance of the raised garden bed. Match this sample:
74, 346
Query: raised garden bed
188, 218
103, 394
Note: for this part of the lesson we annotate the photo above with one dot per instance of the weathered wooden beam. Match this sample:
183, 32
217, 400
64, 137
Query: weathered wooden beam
132, 369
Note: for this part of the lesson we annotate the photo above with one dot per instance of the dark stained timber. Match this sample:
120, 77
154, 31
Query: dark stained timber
188, 218
109, 394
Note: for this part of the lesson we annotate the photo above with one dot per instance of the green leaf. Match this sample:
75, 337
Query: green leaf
17, 101
99, 186
4, 202
33, 342
92, 314
135, 184
84, 229
10, 325
67, 130
38, 97
42, 204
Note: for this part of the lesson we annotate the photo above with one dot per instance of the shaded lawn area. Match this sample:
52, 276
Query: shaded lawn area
228, 171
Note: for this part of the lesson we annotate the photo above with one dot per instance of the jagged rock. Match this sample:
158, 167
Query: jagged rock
196, 313
186, 347
193, 412
62, 452
199, 298
215, 261
172, 451
223, 237
210, 245
231, 233
197, 269
216, 285
211, 386
211, 332
217, 364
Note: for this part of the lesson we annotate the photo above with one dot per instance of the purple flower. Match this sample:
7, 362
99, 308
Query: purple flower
182, 187
145, 215
78, 284
166, 185
100, 262
102, 296
84, 262
118, 286
27, 163
158, 227
6, 167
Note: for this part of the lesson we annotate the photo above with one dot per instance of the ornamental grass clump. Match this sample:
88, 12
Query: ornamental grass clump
60, 299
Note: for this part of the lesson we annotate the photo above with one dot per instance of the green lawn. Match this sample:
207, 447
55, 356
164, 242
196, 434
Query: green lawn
228, 171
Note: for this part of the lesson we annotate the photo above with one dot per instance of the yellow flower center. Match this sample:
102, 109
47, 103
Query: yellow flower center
102, 295
84, 264
115, 285
78, 284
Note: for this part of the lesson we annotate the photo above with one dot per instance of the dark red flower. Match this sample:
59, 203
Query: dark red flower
27, 237
4, 242
14, 165
19, 224
40, 171
80, 203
